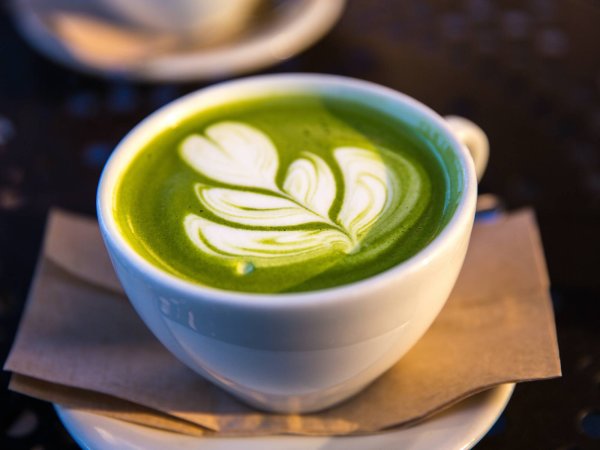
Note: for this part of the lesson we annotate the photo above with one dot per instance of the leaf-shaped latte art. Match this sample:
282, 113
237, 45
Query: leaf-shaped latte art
310, 181
233, 153
272, 247
366, 188
255, 220
254, 209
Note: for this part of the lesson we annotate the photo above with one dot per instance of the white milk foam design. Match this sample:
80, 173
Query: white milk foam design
256, 218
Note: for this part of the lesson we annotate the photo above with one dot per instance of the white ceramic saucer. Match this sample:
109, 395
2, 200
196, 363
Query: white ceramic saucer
85, 35
460, 427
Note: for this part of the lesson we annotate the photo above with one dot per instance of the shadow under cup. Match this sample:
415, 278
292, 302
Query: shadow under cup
296, 352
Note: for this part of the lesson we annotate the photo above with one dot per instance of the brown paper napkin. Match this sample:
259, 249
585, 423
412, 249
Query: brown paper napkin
81, 344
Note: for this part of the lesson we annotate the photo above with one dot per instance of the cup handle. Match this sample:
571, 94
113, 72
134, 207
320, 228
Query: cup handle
474, 139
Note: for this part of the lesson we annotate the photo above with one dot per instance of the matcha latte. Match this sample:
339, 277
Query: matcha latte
284, 193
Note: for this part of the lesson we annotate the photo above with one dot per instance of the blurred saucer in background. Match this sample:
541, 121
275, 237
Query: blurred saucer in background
94, 37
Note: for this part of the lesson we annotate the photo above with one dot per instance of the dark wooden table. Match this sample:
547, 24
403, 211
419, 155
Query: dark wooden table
527, 71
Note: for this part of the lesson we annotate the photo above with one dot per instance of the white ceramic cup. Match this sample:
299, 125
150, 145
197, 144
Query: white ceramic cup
298, 352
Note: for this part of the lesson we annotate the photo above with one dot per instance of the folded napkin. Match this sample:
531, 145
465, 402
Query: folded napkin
81, 344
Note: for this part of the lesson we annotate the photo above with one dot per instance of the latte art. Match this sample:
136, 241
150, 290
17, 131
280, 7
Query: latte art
282, 193
274, 228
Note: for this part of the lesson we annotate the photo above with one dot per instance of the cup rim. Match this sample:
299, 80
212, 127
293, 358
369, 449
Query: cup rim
284, 300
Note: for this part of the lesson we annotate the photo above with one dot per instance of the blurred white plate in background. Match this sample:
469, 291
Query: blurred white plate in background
87, 35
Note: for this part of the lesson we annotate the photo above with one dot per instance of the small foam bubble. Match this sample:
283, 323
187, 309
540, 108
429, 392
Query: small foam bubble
244, 268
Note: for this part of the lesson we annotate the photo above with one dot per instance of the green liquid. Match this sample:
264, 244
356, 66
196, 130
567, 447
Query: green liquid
156, 192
